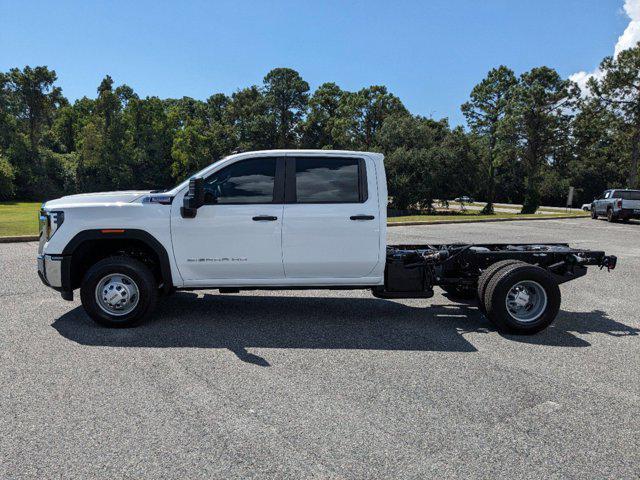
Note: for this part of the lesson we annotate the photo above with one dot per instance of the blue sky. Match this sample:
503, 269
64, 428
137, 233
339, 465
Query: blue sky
429, 53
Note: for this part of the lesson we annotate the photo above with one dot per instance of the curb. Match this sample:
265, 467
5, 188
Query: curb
483, 220
21, 238
35, 238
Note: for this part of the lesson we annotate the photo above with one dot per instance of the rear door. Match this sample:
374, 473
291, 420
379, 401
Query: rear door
331, 226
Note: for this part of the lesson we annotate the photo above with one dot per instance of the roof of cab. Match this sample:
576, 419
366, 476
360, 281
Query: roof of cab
294, 151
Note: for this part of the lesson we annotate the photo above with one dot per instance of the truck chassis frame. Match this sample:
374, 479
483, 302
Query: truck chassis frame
413, 270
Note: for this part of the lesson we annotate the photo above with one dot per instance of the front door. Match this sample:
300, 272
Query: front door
331, 224
601, 204
237, 234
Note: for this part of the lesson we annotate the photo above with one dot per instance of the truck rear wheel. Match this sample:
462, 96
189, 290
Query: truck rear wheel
522, 299
611, 217
119, 292
487, 275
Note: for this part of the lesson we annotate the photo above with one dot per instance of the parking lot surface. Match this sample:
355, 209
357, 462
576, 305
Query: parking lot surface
327, 384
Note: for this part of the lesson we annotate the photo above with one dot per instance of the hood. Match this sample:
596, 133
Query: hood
102, 198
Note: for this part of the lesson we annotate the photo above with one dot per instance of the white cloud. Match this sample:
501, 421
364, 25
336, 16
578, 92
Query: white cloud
632, 8
629, 38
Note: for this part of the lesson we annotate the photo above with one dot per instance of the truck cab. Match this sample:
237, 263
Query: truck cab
284, 219
294, 219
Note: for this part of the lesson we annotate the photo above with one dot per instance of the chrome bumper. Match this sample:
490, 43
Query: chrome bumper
50, 270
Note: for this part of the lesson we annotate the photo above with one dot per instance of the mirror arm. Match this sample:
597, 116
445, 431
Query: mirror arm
193, 199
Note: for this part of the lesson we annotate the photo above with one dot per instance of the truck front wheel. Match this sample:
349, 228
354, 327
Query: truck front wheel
522, 299
119, 292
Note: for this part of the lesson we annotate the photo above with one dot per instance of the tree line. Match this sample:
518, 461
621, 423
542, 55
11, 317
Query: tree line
529, 136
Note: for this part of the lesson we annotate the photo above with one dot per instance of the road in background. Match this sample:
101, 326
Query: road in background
327, 384
509, 207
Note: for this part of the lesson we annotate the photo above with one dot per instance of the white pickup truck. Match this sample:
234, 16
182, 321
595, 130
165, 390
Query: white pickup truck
618, 204
294, 219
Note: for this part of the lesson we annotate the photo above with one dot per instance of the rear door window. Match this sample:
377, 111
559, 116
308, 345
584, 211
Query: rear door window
329, 180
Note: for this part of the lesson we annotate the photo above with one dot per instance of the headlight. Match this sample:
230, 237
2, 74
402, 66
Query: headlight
50, 222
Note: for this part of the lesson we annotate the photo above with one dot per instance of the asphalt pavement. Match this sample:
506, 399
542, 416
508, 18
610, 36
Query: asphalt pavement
327, 384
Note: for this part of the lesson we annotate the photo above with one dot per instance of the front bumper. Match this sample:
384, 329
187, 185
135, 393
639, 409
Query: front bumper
50, 271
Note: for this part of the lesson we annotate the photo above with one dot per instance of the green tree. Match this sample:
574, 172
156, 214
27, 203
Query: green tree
206, 131
599, 150
197, 145
190, 150
92, 174
361, 114
425, 159
36, 99
538, 113
108, 103
249, 117
63, 129
32, 102
7, 188
104, 162
286, 95
320, 122
619, 92
148, 139
485, 112
8, 124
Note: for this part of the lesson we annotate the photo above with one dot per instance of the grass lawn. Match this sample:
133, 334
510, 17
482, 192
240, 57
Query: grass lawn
470, 216
19, 218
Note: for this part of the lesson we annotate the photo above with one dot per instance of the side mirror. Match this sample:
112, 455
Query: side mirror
194, 198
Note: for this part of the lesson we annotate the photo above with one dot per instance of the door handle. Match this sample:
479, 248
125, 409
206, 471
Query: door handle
264, 218
362, 217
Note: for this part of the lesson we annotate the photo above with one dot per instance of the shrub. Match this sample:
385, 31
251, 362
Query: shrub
7, 177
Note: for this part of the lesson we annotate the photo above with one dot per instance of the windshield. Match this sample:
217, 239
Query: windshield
628, 194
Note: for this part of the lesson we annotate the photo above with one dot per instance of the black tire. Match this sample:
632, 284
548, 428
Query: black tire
487, 275
611, 217
460, 292
594, 214
500, 285
138, 272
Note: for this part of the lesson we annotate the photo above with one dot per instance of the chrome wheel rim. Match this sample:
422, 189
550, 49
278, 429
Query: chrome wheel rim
526, 301
117, 294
